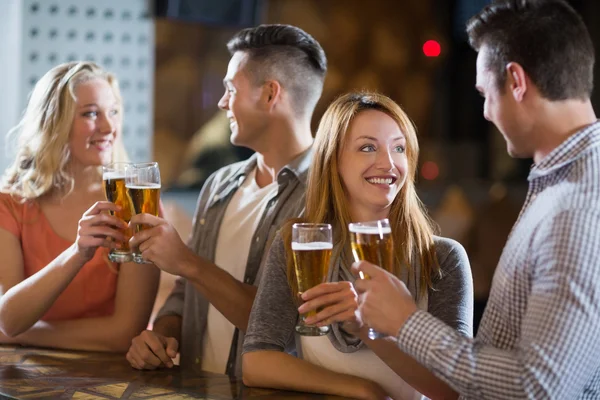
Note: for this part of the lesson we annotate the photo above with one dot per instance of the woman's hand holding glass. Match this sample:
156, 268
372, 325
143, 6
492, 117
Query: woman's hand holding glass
97, 228
337, 302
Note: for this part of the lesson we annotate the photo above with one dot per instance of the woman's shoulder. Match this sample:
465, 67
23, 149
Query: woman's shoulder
12, 204
449, 252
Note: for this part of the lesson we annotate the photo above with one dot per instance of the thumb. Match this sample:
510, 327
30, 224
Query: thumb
171, 346
365, 269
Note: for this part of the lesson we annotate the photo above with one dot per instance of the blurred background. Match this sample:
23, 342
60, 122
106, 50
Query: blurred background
170, 58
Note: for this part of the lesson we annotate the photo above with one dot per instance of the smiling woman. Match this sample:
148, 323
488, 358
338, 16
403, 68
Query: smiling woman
364, 164
57, 284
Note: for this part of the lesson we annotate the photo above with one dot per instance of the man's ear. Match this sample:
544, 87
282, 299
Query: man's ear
517, 81
271, 93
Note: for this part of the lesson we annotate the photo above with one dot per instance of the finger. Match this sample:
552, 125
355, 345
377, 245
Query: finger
157, 348
362, 285
104, 219
136, 361
141, 237
347, 316
333, 311
101, 206
147, 219
326, 300
145, 355
89, 242
172, 346
322, 289
366, 268
102, 232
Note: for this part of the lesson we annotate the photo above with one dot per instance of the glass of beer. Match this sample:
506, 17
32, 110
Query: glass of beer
113, 176
372, 241
143, 186
311, 247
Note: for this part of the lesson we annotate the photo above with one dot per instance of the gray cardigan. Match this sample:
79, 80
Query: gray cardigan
274, 314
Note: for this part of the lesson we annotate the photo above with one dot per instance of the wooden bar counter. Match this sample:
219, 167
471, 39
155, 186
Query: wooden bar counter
32, 373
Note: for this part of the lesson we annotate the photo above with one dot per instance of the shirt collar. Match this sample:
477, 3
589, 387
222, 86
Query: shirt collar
298, 167
567, 152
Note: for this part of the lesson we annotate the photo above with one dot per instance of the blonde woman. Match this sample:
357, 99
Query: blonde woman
57, 287
363, 169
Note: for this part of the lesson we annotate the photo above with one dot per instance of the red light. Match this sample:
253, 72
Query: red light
430, 170
432, 48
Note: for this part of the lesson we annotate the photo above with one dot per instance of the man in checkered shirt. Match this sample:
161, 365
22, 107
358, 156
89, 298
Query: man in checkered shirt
540, 333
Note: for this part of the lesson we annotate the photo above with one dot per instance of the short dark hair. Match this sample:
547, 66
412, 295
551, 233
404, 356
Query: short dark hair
546, 37
287, 54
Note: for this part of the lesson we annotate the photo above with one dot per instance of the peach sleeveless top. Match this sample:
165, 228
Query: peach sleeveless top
91, 293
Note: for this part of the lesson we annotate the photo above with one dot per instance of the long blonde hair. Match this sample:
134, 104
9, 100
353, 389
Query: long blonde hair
43, 153
327, 198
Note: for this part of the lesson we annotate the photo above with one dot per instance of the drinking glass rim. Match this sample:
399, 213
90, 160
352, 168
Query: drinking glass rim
111, 165
145, 164
310, 225
376, 224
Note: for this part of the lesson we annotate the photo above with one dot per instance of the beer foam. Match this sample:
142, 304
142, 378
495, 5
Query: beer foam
312, 246
113, 175
370, 230
144, 186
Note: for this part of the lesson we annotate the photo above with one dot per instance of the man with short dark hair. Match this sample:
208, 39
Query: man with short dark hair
538, 336
273, 82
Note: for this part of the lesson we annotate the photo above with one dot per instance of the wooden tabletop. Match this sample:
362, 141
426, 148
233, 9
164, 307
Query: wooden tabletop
31, 373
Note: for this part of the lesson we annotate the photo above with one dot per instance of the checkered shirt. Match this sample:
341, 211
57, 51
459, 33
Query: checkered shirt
540, 334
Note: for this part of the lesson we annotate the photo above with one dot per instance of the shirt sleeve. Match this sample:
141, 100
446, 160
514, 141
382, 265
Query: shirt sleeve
451, 299
10, 215
557, 351
274, 314
174, 303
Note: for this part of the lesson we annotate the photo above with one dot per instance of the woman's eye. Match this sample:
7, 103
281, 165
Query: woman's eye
114, 112
367, 148
90, 114
399, 149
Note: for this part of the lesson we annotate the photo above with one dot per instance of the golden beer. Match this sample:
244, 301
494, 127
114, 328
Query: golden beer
116, 192
373, 244
311, 262
145, 199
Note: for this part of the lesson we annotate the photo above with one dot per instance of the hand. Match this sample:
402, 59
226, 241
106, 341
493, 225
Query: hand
98, 229
340, 303
385, 302
150, 350
160, 244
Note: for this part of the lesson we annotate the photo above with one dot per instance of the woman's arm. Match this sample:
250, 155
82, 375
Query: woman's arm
136, 290
341, 304
271, 332
278, 370
24, 301
408, 368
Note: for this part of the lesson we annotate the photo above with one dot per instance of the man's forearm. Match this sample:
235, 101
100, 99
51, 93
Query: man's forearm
231, 297
408, 368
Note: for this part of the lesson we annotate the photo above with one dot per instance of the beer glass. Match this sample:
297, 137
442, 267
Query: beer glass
113, 177
372, 242
143, 186
311, 247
